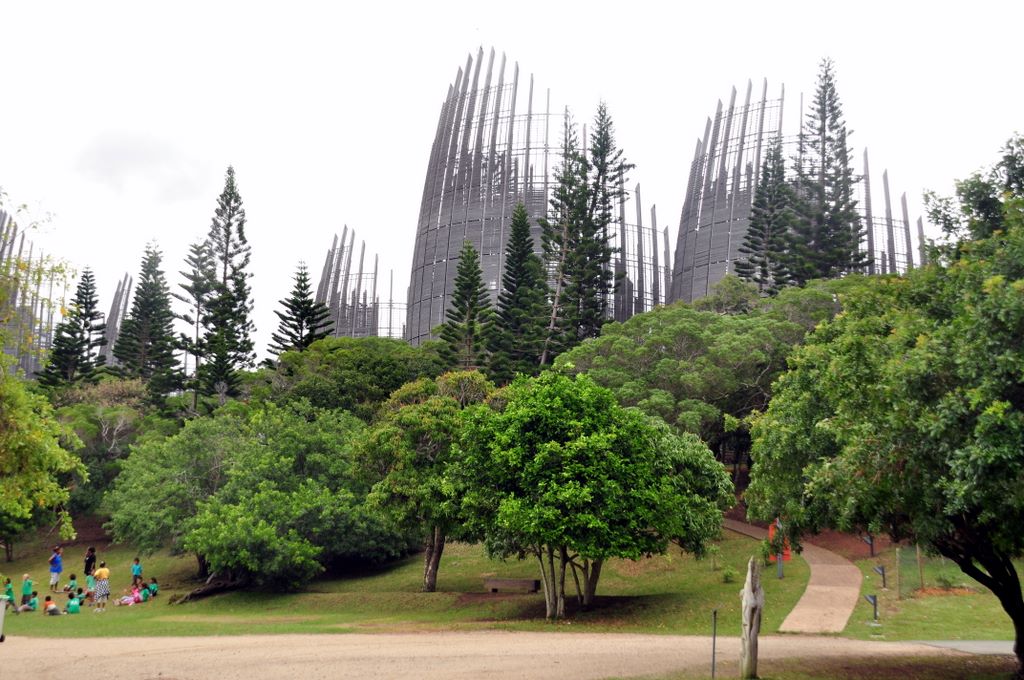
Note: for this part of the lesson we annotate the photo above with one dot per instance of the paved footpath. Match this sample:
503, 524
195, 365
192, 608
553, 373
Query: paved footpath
832, 590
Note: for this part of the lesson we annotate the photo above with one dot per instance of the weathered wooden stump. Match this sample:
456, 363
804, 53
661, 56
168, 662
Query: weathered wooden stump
753, 605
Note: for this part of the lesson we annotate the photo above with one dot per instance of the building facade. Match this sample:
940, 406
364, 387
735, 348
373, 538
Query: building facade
723, 179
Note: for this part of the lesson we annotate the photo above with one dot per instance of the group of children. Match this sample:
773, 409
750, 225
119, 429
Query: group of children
96, 591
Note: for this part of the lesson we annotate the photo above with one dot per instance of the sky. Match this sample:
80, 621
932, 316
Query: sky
118, 119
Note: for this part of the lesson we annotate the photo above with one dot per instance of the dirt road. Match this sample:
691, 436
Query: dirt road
448, 656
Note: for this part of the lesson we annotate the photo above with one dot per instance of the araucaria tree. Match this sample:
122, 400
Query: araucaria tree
905, 414
228, 338
145, 344
771, 219
522, 305
197, 292
825, 239
564, 474
303, 320
466, 332
77, 339
576, 239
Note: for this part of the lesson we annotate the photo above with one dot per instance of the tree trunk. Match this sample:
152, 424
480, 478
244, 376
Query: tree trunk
998, 574
432, 550
590, 585
545, 556
753, 605
9, 549
203, 567
563, 557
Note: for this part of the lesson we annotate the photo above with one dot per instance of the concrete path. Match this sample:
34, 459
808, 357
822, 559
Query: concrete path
997, 647
832, 590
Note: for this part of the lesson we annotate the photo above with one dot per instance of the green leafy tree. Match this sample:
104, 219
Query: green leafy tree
409, 452
108, 417
349, 374
771, 218
35, 465
303, 321
825, 240
164, 480
145, 343
564, 474
905, 415
522, 306
290, 506
75, 357
228, 337
469, 325
197, 293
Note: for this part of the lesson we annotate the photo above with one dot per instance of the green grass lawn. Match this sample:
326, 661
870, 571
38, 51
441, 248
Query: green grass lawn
670, 594
970, 613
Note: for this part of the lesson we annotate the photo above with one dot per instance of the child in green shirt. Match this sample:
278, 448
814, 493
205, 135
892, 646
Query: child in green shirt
72, 585
73, 606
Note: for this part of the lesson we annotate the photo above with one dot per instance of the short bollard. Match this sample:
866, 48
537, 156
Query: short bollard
870, 540
873, 601
880, 570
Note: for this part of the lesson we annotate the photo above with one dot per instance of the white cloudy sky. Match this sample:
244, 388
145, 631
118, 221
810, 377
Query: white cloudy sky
119, 118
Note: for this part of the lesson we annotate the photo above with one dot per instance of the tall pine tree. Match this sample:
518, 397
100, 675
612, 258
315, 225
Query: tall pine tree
825, 240
771, 219
576, 234
145, 342
197, 292
303, 320
467, 331
75, 357
518, 336
228, 339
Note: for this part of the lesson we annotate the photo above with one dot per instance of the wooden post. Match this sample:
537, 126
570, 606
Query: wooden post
753, 604
920, 566
899, 591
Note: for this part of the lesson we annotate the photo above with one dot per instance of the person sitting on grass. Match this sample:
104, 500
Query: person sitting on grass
31, 605
9, 594
72, 584
144, 594
50, 607
80, 596
153, 587
74, 605
130, 597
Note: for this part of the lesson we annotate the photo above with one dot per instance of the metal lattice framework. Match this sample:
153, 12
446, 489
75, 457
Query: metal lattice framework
720, 193
493, 149
26, 314
349, 290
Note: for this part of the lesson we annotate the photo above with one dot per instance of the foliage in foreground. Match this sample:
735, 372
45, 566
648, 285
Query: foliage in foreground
264, 496
906, 415
565, 475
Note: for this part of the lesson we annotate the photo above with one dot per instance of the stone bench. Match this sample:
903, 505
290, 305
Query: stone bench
529, 585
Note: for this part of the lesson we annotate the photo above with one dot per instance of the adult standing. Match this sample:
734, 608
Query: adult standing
90, 560
56, 567
102, 594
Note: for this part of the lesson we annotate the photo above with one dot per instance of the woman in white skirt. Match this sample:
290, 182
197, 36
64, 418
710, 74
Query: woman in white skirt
102, 594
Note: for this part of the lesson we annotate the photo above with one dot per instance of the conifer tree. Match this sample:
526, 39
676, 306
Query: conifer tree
197, 294
522, 306
576, 234
228, 338
771, 219
825, 239
74, 357
467, 331
303, 320
145, 343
